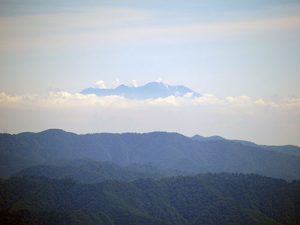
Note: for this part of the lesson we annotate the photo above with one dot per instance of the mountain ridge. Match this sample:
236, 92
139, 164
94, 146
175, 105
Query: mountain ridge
161, 149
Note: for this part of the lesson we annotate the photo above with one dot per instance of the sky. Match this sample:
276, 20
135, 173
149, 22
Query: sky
241, 56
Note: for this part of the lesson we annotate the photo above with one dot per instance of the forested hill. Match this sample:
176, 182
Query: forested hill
162, 150
208, 199
90, 171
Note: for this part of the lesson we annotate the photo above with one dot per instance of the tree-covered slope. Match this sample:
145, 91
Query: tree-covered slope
91, 171
203, 199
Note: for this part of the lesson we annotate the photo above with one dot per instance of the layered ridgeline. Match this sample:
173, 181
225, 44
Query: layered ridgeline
168, 153
199, 200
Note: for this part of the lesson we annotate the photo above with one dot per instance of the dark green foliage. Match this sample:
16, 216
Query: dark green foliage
53, 218
208, 199
90, 171
164, 150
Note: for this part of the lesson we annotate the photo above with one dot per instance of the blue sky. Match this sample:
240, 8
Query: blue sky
223, 48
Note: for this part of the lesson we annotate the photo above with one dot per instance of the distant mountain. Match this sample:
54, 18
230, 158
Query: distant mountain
162, 150
150, 90
208, 199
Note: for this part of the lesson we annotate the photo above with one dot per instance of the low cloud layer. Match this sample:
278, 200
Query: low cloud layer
237, 117
65, 99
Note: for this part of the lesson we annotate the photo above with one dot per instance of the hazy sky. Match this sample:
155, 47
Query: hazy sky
243, 56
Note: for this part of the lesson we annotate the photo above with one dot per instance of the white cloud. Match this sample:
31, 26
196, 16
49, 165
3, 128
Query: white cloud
134, 83
189, 95
159, 79
101, 84
293, 102
116, 83
239, 99
66, 99
9, 99
209, 99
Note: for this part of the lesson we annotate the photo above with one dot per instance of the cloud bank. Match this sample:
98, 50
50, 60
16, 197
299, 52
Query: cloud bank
237, 117
66, 99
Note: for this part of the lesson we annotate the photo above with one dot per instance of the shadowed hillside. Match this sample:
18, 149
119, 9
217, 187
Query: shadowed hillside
163, 150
